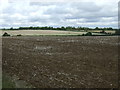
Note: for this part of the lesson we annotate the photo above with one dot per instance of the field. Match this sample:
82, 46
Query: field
62, 61
41, 32
107, 31
52, 32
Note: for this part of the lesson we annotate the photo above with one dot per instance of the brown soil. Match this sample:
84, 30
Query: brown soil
62, 61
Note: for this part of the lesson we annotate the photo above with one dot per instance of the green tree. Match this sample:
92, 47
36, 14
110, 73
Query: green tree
11, 28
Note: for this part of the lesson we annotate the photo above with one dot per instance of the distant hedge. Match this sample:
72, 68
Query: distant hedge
6, 34
59, 28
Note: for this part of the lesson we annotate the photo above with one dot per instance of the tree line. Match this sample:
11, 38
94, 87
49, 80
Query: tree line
69, 28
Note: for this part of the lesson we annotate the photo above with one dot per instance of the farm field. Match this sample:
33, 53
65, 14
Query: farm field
62, 61
41, 32
107, 31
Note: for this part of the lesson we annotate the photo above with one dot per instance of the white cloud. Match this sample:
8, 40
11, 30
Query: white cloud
91, 13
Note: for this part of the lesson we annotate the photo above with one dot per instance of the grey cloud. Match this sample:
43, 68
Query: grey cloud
87, 10
87, 6
60, 14
92, 20
37, 19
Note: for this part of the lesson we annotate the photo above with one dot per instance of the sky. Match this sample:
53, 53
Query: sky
57, 13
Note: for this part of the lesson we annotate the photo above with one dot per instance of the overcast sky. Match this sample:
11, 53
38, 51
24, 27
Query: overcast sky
85, 13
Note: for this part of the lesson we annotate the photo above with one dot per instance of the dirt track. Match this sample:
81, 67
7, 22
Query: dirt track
56, 61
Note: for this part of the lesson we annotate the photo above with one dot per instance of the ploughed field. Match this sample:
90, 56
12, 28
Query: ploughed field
62, 61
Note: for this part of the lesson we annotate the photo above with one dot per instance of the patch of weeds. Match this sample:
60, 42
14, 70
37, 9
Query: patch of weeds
7, 82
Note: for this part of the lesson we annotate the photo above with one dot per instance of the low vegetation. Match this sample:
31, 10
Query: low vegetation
7, 81
68, 28
6, 34
87, 34
19, 35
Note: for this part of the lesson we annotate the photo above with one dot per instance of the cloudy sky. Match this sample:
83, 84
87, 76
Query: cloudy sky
85, 13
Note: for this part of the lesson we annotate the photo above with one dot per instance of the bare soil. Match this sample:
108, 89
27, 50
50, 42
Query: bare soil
62, 61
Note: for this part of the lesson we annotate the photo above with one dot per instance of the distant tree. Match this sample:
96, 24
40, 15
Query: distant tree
110, 28
19, 28
3, 29
63, 28
30, 27
11, 28
96, 28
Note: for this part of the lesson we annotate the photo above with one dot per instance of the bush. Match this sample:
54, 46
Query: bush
78, 35
88, 34
83, 34
19, 35
6, 34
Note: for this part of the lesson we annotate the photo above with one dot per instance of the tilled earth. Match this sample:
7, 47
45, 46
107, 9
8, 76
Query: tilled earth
62, 61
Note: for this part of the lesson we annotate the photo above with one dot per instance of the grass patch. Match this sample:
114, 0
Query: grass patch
7, 82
